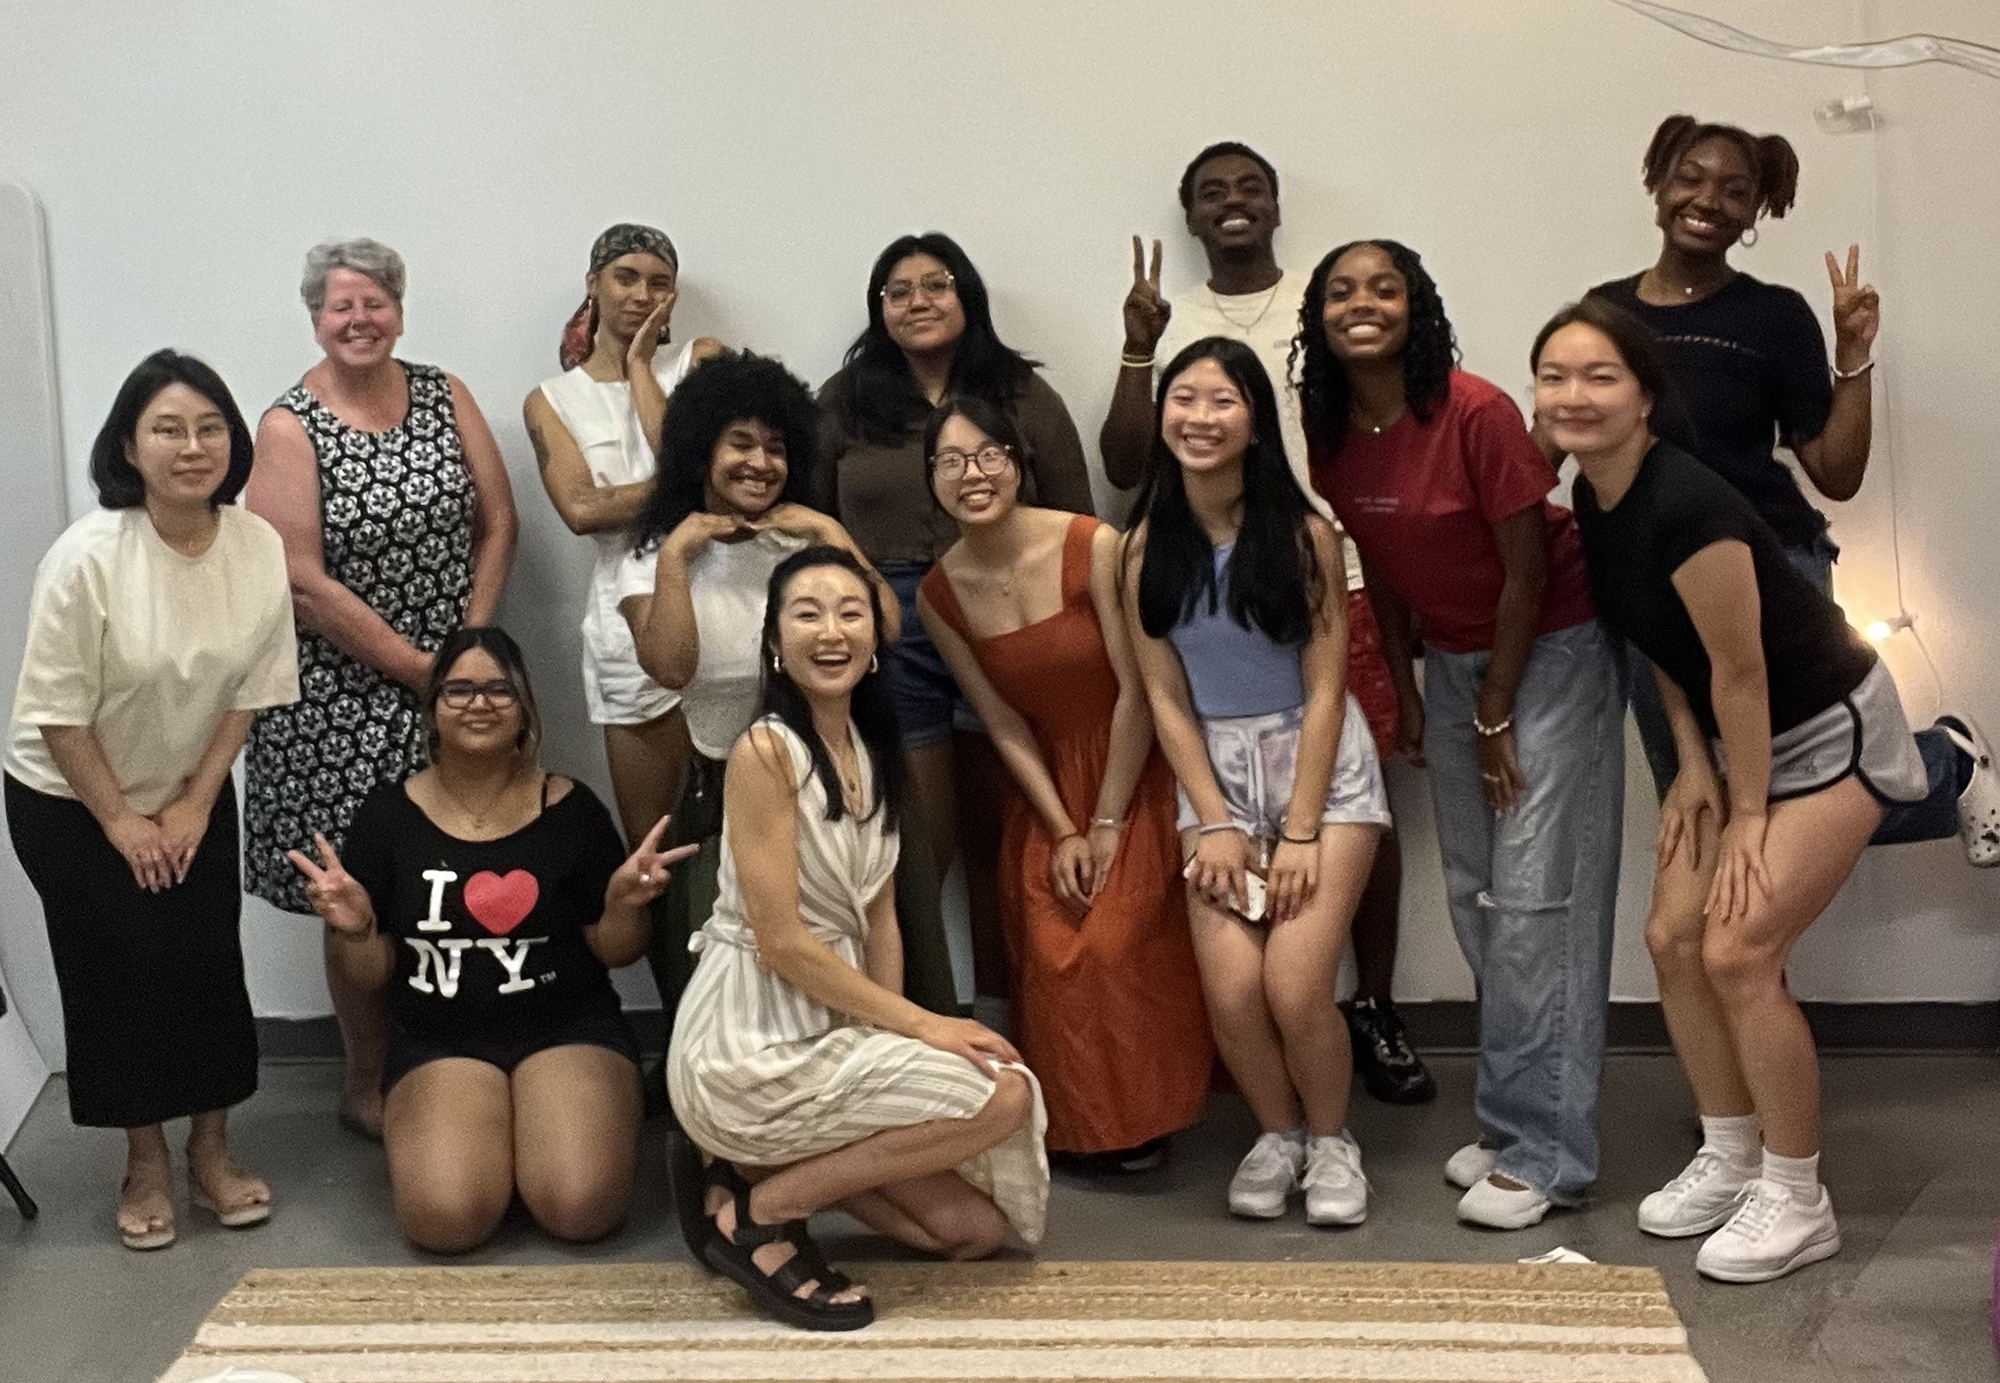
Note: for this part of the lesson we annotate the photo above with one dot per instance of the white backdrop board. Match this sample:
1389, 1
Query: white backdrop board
190, 154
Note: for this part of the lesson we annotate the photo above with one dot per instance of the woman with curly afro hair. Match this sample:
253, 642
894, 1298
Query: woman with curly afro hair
1440, 487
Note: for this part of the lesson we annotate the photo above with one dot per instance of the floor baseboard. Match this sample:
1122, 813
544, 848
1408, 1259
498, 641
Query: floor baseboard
1447, 1026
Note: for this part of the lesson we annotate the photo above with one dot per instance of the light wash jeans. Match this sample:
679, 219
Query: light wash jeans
1533, 895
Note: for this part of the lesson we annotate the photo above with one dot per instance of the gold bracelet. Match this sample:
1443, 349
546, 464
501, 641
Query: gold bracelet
1136, 362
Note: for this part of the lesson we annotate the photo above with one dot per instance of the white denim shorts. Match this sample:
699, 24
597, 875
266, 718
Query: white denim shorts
1254, 759
1863, 734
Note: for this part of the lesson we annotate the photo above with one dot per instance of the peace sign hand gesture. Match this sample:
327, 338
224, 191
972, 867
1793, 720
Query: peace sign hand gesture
336, 895
643, 876
1146, 312
1857, 311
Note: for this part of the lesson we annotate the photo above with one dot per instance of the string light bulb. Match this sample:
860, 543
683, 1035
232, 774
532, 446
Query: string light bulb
1879, 630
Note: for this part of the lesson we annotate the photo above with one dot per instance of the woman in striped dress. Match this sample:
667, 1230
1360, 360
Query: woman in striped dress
797, 1065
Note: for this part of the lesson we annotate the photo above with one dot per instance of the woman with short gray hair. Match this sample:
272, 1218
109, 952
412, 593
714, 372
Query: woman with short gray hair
399, 527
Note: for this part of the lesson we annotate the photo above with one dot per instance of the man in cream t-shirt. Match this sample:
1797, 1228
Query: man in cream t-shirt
1230, 196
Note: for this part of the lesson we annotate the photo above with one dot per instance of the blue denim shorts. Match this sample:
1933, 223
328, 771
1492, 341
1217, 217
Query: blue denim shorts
929, 706
1254, 759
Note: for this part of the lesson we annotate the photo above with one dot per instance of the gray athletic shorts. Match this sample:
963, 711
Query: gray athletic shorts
1864, 734
1255, 757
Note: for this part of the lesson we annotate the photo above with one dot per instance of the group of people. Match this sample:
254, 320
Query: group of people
875, 632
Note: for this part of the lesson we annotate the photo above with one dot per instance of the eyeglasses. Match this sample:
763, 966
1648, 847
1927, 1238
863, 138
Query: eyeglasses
458, 694
989, 460
898, 292
176, 433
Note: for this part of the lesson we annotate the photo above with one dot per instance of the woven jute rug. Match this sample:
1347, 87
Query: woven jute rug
632, 1323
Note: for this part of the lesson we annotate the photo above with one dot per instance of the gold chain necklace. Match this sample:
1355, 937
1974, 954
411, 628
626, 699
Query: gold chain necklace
1270, 296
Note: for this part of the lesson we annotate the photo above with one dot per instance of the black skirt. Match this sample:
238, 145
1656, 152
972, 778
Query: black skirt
154, 1007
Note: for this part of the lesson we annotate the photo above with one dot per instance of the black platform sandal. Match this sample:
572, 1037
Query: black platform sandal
775, 1292
690, 1182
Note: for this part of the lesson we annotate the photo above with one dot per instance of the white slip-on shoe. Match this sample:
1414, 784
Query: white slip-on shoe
1267, 1176
1772, 1233
1701, 1198
1497, 1207
1979, 804
1470, 1165
1336, 1189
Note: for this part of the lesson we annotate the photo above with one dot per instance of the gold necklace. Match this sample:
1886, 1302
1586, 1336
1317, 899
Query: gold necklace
1270, 296
478, 818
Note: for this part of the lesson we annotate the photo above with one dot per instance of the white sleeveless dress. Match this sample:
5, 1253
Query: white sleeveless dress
605, 426
760, 1074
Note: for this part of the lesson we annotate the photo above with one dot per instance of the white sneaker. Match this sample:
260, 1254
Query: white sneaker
1979, 804
1470, 1165
1336, 1190
1267, 1176
1701, 1198
1496, 1207
1772, 1233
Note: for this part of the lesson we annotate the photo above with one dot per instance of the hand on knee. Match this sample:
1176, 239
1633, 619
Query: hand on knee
1008, 1107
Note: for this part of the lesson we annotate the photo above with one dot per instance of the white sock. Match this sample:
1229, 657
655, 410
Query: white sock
1798, 1175
1736, 1139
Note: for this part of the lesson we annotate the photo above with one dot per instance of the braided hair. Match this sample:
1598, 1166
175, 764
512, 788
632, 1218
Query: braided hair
1772, 160
1430, 351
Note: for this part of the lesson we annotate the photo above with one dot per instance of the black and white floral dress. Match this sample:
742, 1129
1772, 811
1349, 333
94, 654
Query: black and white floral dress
396, 515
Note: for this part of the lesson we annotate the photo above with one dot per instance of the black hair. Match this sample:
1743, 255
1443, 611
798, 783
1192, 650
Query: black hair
996, 423
498, 645
880, 399
1640, 350
871, 705
1275, 581
119, 484
1773, 161
733, 387
1430, 350
1227, 146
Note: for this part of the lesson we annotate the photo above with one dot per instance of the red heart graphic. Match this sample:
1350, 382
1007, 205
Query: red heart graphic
500, 902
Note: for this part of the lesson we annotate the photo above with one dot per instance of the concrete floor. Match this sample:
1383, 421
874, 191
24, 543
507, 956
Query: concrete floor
1912, 1170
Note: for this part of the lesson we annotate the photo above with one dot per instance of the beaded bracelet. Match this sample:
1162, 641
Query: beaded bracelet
1859, 370
1487, 732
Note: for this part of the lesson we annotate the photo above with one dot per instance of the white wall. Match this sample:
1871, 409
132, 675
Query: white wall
189, 154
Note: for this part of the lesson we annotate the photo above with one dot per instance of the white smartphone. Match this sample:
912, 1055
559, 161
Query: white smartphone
1253, 888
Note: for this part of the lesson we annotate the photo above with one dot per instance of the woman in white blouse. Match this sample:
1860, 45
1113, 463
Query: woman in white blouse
595, 427
159, 625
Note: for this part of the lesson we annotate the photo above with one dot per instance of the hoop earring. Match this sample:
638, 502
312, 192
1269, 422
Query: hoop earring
1748, 238
874, 662
777, 666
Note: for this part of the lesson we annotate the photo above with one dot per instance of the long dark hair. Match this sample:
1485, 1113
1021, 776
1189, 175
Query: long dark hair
734, 387
1430, 351
119, 484
498, 645
873, 708
881, 399
1640, 350
1275, 581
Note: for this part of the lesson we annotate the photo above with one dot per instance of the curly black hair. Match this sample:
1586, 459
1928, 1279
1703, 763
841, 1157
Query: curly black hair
1771, 158
1227, 146
1430, 352
733, 387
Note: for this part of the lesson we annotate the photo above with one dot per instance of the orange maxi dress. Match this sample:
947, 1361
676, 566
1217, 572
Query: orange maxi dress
1108, 1010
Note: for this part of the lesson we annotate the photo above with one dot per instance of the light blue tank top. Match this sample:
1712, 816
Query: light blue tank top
1233, 671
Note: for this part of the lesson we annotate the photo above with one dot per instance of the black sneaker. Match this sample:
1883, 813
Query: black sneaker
1149, 1156
1393, 1073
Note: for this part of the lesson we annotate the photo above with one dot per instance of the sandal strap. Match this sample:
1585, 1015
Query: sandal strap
795, 1273
806, 1250
749, 1234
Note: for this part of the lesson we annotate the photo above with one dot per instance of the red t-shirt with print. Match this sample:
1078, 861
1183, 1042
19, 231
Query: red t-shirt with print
1420, 499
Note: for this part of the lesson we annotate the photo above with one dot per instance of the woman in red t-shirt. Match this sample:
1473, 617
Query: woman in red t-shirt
1436, 480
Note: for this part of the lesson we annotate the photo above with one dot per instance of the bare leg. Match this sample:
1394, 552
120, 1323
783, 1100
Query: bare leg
215, 1172
646, 762
936, 797
1229, 952
1810, 848
1377, 919
576, 1138
1300, 960
982, 784
940, 1213
1694, 1013
146, 1199
449, 1131
363, 1018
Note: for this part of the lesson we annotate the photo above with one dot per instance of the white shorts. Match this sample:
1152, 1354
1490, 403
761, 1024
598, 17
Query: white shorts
1254, 759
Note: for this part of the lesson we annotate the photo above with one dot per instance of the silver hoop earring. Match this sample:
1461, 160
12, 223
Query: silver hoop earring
1749, 237
777, 666
874, 662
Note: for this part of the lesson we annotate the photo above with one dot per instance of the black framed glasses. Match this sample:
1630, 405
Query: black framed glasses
937, 283
952, 464
459, 693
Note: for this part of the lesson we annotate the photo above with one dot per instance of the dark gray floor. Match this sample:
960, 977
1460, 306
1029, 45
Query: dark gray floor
1912, 1168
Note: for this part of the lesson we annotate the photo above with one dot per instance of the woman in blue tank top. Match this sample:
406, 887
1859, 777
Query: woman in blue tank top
1242, 645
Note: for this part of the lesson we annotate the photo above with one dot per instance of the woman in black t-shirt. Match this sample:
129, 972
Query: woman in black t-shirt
490, 897
1747, 358
1792, 743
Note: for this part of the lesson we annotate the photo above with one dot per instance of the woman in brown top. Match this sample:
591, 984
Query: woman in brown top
930, 332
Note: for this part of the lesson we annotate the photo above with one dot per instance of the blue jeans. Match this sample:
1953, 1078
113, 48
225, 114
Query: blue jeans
928, 704
1533, 895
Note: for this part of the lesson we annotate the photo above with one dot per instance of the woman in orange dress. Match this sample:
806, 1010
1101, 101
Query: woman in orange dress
1024, 608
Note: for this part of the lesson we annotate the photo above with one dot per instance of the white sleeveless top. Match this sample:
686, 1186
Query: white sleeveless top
605, 426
